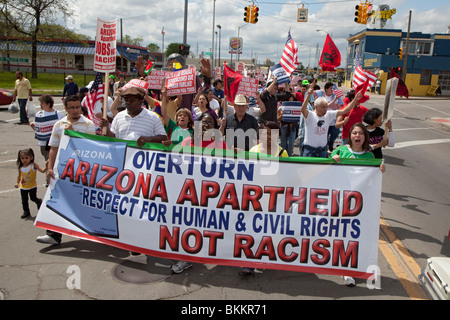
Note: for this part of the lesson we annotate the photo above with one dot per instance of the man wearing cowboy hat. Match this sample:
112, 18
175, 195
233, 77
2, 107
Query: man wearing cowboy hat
135, 122
240, 124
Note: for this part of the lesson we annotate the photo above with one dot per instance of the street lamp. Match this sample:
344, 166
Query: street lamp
331, 34
220, 31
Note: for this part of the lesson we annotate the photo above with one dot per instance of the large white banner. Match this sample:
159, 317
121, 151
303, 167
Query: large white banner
287, 214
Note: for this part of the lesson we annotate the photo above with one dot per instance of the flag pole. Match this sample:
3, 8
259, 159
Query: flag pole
105, 100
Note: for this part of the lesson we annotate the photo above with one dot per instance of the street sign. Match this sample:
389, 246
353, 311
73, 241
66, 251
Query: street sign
14, 59
302, 15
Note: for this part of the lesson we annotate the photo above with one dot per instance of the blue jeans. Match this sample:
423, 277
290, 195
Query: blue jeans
23, 110
287, 142
319, 152
333, 133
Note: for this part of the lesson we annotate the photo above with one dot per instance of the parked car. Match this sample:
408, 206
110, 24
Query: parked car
6, 97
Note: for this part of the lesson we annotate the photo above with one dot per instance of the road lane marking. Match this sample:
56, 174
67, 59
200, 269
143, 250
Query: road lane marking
405, 144
412, 129
401, 262
431, 108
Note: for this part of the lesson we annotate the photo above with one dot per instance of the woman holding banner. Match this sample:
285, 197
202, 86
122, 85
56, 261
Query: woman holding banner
358, 148
206, 139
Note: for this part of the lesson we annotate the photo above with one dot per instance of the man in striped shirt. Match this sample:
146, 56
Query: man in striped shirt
136, 122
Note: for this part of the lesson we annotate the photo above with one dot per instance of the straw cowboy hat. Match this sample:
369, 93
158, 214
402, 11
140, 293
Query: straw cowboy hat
240, 100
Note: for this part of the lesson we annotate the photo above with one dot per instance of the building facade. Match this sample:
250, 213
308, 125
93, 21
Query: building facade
428, 58
64, 56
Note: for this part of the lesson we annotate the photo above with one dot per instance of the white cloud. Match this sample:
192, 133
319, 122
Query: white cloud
264, 39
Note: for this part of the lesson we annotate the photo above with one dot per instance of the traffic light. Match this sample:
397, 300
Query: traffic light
359, 13
247, 13
254, 14
369, 10
184, 49
400, 53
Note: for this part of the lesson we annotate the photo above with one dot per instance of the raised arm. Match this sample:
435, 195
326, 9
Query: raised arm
305, 111
351, 105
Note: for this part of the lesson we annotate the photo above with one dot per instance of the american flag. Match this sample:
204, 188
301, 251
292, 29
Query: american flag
360, 76
338, 93
95, 93
289, 58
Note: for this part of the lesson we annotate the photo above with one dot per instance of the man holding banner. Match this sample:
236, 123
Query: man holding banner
73, 121
135, 123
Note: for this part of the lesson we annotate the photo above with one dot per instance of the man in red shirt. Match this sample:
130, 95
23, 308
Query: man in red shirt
347, 120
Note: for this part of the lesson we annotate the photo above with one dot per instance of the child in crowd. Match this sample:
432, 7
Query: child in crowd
26, 180
378, 137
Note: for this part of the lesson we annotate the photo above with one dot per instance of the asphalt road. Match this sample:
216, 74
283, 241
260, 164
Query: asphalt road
415, 226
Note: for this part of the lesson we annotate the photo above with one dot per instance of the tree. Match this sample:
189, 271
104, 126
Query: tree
133, 41
27, 17
153, 47
173, 48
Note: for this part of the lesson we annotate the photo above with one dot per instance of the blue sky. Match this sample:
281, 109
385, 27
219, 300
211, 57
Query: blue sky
262, 40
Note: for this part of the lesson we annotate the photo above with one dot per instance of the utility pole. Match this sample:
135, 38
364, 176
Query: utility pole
405, 59
121, 47
185, 22
212, 40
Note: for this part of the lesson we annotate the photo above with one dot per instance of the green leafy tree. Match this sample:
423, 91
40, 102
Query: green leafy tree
27, 17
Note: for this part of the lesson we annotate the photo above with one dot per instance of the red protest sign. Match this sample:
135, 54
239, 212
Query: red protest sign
248, 87
181, 82
155, 79
136, 83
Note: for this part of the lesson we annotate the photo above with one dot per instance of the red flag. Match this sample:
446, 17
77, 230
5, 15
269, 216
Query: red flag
231, 81
331, 57
402, 90
363, 87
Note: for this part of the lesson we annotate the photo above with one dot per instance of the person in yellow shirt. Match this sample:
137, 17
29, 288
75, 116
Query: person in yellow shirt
26, 180
23, 92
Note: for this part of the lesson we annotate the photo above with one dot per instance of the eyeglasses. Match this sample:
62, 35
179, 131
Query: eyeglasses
207, 123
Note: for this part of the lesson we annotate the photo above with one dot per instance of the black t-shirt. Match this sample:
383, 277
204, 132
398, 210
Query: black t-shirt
376, 136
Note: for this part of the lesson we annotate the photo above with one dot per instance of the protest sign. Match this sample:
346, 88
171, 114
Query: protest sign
155, 79
181, 82
137, 83
105, 46
389, 98
292, 111
248, 87
278, 71
256, 211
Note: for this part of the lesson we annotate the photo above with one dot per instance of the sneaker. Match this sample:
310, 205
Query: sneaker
349, 281
47, 239
180, 266
25, 215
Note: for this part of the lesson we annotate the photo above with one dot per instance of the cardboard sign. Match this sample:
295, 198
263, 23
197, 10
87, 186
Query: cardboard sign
105, 46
